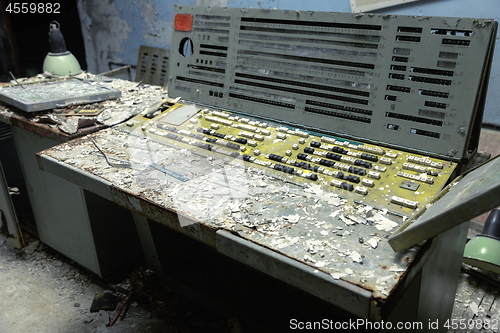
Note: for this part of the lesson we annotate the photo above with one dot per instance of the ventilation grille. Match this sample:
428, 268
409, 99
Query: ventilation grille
5, 133
152, 66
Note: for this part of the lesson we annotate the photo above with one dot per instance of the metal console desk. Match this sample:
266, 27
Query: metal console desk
69, 219
321, 237
277, 228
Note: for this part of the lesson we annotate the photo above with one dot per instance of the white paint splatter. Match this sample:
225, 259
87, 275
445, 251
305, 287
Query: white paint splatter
338, 275
292, 218
373, 242
320, 264
355, 256
474, 307
396, 268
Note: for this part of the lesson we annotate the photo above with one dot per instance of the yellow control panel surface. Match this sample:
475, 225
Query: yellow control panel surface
385, 178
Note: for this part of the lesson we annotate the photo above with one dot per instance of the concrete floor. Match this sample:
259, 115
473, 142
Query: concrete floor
41, 291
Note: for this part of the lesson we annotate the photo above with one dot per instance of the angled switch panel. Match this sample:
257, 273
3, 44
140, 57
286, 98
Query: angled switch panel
476, 193
402, 81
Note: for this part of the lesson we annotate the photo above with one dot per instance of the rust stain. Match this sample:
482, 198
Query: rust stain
165, 216
48, 132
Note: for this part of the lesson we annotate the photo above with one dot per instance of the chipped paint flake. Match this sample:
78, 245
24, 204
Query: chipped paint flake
292, 218
309, 259
334, 214
320, 264
337, 275
474, 307
373, 242
382, 223
396, 268
355, 256
384, 279
316, 189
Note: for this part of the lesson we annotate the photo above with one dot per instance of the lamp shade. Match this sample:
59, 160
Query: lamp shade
59, 60
61, 64
483, 251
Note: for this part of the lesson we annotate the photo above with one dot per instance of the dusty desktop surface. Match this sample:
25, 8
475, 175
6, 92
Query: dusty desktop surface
212, 191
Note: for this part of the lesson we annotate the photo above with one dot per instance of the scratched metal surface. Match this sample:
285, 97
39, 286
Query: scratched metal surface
307, 224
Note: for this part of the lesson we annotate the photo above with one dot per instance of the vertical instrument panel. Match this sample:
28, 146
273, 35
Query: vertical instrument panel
406, 82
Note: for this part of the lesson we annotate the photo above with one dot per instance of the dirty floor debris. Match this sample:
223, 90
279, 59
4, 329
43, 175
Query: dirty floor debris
477, 302
41, 291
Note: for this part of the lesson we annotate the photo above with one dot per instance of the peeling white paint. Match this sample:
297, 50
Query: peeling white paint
338, 275
373, 242
104, 33
355, 256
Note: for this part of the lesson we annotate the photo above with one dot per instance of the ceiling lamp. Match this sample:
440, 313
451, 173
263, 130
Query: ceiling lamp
59, 61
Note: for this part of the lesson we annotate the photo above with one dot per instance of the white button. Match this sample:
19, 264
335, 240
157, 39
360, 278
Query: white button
335, 183
258, 137
361, 190
384, 160
410, 204
397, 200
367, 182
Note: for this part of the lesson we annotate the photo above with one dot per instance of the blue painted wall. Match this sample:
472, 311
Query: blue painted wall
114, 30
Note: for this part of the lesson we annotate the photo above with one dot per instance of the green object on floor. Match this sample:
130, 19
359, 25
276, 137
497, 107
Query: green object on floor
483, 251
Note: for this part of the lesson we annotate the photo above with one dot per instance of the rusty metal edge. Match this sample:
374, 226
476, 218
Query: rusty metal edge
337, 292
159, 214
36, 128
48, 132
